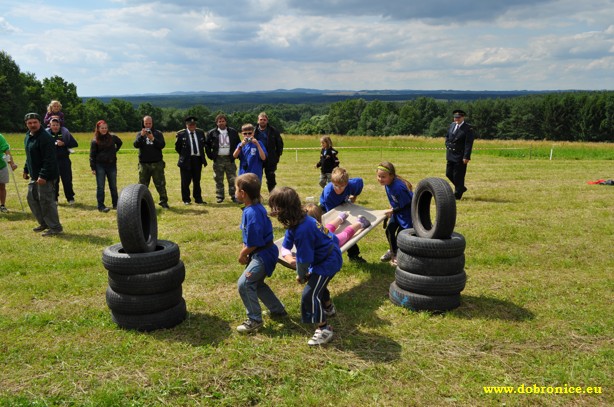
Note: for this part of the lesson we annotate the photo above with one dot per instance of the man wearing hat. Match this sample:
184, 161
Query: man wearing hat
190, 144
42, 169
459, 142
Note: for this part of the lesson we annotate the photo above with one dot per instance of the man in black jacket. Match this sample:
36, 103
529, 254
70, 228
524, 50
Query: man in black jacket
274, 145
190, 144
459, 142
150, 143
221, 142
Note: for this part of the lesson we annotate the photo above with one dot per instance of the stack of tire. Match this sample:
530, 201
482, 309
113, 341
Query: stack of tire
145, 274
430, 271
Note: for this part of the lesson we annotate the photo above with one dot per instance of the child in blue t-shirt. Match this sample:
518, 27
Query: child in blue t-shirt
339, 190
318, 259
259, 254
250, 152
399, 192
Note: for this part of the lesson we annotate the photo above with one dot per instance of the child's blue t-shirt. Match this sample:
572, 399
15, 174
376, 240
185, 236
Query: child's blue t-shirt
330, 199
257, 231
400, 196
250, 161
316, 246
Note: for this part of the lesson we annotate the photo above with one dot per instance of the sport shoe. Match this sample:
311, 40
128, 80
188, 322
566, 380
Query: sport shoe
386, 257
104, 210
52, 232
249, 326
164, 205
343, 216
322, 336
40, 228
364, 221
71, 202
3, 209
219, 200
330, 311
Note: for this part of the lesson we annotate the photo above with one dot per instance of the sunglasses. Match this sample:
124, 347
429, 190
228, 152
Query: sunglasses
246, 133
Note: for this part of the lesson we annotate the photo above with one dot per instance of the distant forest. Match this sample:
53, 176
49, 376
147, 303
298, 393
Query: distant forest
555, 115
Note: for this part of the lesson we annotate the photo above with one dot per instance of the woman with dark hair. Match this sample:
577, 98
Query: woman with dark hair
103, 162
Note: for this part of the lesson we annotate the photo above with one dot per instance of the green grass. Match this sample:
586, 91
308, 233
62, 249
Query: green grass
537, 308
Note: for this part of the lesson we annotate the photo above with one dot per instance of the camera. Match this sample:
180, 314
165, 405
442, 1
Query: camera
147, 131
248, 139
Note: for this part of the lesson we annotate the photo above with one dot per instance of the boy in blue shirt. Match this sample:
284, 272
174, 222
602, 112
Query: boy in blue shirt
251, 152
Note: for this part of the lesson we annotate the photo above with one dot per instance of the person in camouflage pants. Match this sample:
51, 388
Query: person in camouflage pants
150, 143
219, 145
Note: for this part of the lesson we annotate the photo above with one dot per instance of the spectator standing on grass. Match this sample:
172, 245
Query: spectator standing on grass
54, 109
399, 193
342, 189
41, 168
328, 160
459, 142
259, 255
220, 144
274, 146
150, 143
318, 259
7, 159
250, 152
64, 143
103, 163
190, 144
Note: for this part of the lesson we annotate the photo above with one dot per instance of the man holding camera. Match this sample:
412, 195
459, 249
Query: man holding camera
150, 143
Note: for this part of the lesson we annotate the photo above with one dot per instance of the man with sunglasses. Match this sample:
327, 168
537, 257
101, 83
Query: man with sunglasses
459, 142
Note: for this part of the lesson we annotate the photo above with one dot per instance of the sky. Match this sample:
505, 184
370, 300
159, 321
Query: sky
124, 47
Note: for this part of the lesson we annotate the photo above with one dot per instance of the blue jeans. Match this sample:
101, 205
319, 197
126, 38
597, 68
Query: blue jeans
110, 173
252, 287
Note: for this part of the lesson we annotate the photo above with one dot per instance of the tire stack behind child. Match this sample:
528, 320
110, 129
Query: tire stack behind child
430, 271
145, 274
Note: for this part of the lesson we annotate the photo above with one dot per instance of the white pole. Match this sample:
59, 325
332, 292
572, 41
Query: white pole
551, 151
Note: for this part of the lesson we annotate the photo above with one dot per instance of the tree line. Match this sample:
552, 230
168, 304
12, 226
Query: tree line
558, 116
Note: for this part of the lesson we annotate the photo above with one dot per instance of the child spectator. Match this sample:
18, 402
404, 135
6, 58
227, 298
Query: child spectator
64, 143
103, 162
318, 259
259, 255
54, 109
251, 152
328, 160
399, 192
315, 212
342, 189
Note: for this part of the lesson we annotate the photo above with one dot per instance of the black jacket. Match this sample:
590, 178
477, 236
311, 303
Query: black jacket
182, 146
105, 154
150, 152
459, 144
212, 142
274, 145
328, 160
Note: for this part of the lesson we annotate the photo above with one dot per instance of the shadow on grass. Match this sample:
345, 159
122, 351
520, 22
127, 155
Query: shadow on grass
16, 216
93, 239
486, 199
489, 308
197, 329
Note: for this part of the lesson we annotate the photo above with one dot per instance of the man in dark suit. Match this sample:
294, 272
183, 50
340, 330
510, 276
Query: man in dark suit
190, 144
459, 142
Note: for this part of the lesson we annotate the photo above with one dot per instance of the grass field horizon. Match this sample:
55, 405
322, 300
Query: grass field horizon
537, 308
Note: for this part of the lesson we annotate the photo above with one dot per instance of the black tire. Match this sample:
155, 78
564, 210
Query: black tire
149, 283
420, 302
430, 285
445, 209
142, 304
115, 259
430, 266
150, 322
136, 219
411, 244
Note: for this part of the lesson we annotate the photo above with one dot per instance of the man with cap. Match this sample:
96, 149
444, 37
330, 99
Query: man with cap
150, 143
221, 142
42, 169
190, 144
459, 142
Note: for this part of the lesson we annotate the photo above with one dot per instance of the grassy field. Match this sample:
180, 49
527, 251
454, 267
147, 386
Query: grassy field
537, 309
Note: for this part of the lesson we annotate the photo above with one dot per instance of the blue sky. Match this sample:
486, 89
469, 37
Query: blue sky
119, 47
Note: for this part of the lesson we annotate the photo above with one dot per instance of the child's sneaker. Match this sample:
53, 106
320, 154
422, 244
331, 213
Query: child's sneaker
343, 216
3, 209
364, 221
322, 336
386, 257
330, 311
249, 326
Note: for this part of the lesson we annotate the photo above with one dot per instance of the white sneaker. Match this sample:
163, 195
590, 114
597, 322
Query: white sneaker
249, 326
321, 336
386, 257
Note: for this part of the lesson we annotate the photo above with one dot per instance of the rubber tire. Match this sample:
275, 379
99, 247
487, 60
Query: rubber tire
149, 283
411, 244
115, 259
136, 219
445, 209
142, 304
150, 322
430, 285
430, 266
420, 302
